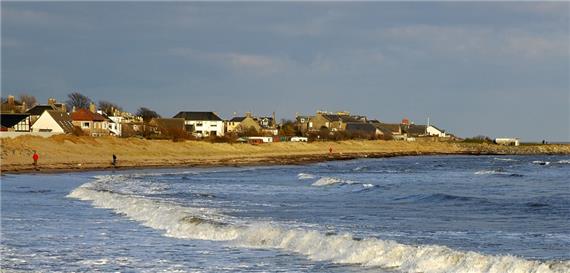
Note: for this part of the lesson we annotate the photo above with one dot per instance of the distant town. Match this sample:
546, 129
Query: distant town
80, 116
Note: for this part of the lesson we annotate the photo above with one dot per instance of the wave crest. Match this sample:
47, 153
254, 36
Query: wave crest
205, 224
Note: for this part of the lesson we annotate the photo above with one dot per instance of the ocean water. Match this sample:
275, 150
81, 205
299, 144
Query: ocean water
404, 214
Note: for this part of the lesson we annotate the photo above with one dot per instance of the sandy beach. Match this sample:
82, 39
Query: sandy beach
70, 153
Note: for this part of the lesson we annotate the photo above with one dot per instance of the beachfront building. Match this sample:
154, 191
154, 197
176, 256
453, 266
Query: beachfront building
241, 125
333, 121
202, 124
362, 130
15, 122
54, 121
36, 111
434, 131
92, 123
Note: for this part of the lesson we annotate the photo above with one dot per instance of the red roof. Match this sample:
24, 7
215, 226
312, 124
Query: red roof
86, 115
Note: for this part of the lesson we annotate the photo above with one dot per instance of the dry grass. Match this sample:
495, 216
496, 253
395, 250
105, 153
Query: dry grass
72, 152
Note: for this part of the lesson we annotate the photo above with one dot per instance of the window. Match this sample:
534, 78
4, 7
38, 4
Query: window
213, 125
85, 124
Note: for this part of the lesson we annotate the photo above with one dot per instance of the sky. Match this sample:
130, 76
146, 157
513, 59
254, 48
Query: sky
474, 68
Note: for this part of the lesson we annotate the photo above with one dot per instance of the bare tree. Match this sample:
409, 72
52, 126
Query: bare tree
147, 114
28, 99
78, 100
108, 107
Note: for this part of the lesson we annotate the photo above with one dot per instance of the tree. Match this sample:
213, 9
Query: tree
147, 114
288, 128
109, 107
28, 99
78, 100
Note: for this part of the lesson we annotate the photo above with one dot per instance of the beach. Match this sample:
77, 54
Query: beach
70, 153
432, 214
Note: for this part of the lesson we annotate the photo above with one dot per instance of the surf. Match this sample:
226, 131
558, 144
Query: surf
209, 224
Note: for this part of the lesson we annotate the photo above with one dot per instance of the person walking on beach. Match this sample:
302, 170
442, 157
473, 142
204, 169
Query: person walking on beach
35, 157
330, 150
114, 163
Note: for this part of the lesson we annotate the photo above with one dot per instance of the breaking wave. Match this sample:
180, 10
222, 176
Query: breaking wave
564, 161
504, 159
327, 181
541, 162
498, 172
305, 176
206, 224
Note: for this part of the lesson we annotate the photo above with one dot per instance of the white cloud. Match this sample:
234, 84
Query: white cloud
482, 41
252, 62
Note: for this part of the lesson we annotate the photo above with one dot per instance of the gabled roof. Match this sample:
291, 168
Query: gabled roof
168, 123
392, 128
9, 120
360, 127
39, 109
415, 130
343, 118
63, 120
86, 115
198, 116
237, 119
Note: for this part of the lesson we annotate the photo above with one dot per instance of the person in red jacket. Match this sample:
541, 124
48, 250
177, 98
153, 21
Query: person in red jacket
36, 157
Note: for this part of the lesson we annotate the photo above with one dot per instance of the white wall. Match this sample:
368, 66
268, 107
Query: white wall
207, 126
46, 122
432, 131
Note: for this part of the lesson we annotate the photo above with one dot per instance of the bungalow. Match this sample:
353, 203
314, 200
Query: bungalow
15, 122
54, 121
362, 130
414, 130
36, 111
202, 123
91, 123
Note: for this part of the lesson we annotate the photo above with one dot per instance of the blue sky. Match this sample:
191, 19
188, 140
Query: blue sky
497, 69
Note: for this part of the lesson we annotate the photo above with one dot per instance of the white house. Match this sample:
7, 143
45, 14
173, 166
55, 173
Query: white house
434, 131
509, 141
202, 124
53, 121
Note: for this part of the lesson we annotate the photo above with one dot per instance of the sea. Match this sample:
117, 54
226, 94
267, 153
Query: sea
403, 214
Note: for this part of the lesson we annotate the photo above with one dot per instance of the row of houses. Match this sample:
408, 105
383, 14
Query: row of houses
53, 118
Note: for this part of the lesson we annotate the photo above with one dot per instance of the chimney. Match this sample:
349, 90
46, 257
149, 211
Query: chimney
92, 108
274, 121
73, 109
51, 101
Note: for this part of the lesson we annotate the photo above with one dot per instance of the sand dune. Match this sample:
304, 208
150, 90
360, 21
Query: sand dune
66, 153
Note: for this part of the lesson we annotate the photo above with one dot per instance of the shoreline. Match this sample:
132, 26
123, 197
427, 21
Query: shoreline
238, 162
61, 154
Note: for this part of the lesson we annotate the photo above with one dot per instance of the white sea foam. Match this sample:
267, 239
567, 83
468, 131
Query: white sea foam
504, 159
327, 181
192, 223
540, 162
564, 161
487, 172
305, 176
368, 185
